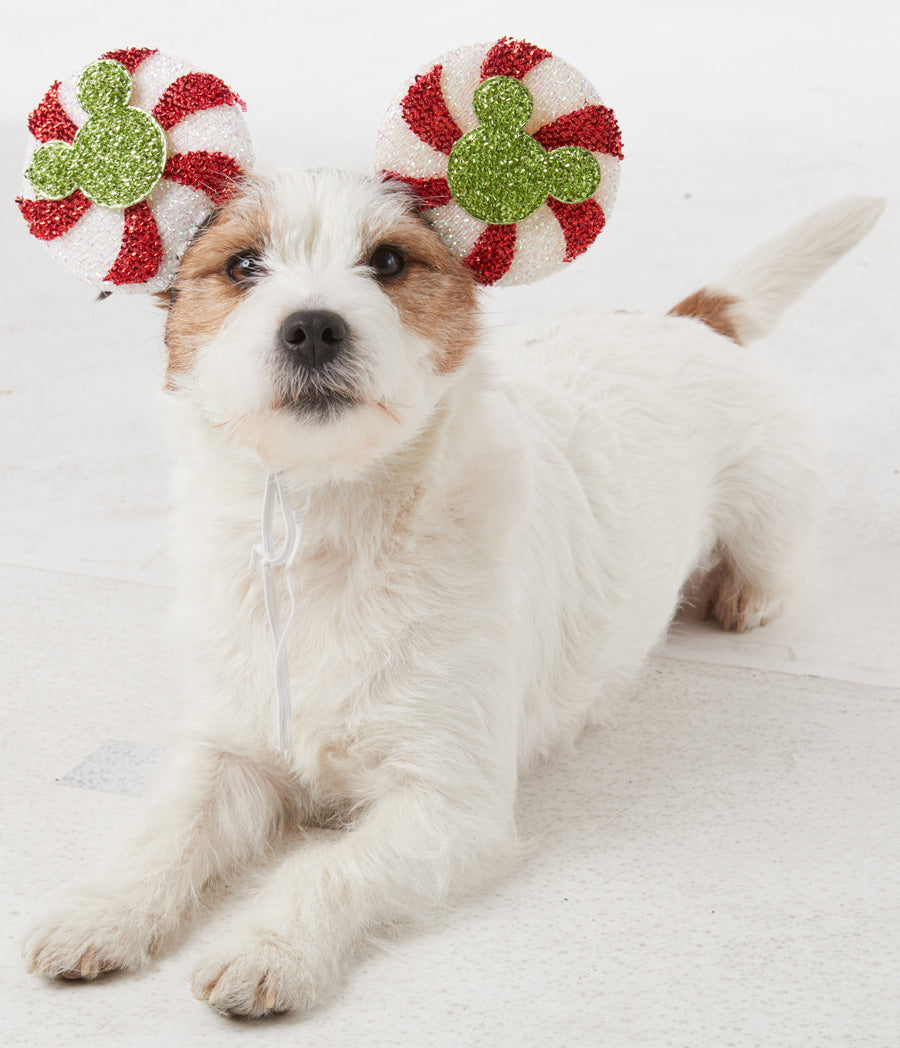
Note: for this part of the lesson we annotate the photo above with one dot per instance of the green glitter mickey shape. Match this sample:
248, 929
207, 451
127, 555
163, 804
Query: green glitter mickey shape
118, 154
499, 174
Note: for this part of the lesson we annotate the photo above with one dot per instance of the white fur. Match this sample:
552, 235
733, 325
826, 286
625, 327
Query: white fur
769, 279
481, 575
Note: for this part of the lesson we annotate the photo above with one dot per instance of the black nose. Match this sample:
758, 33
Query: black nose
313, 337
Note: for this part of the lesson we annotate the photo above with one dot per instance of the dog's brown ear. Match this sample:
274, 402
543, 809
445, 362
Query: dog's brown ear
164, 299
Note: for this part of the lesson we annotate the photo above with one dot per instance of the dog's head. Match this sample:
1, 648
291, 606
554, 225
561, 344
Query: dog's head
317, 320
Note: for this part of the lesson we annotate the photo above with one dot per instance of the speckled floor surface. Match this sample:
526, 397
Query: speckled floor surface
721, 865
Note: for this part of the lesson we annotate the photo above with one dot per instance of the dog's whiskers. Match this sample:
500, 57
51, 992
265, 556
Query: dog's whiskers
383, 406
226, 423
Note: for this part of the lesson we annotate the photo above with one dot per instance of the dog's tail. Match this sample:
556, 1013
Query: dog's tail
747, 301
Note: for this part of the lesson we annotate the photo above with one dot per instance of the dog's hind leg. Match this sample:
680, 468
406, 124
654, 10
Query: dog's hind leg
213, 811
768, 504
769, 492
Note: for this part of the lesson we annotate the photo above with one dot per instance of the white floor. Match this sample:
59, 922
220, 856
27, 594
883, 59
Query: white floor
721, 866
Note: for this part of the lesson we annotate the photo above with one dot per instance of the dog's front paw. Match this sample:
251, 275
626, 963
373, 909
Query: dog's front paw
256, 976
86, 937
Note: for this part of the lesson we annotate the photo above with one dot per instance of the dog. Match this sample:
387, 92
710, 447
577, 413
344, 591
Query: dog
499, 530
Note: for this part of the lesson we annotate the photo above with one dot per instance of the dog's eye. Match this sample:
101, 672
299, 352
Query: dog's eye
387, 261
244, 266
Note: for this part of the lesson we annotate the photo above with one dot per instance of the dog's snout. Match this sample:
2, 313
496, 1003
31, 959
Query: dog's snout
313, 337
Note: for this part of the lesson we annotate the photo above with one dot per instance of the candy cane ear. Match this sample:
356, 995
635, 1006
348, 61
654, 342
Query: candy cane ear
512, 154
125, 160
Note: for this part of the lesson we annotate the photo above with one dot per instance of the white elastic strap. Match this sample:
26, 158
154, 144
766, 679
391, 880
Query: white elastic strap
266, 560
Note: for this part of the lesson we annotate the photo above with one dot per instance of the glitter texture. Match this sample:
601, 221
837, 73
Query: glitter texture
581, 224
212, 173
426, 113
432, 192
130, 57
54, 171
493, 253
594, 128
192, 165
50, 122
501, 175
191, 93
577, 164
510, 57
117, 156
49, 219
141, 252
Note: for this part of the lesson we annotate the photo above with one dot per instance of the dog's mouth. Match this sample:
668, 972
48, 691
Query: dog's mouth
319, 404
320, 394
330, 392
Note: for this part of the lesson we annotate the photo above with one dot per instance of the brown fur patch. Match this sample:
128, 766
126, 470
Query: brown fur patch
713, 309
203, 296
436, 295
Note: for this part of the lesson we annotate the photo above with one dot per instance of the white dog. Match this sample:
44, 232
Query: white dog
496, 538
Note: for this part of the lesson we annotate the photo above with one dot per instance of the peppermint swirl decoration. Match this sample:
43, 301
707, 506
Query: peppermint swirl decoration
126, 160
512, 153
